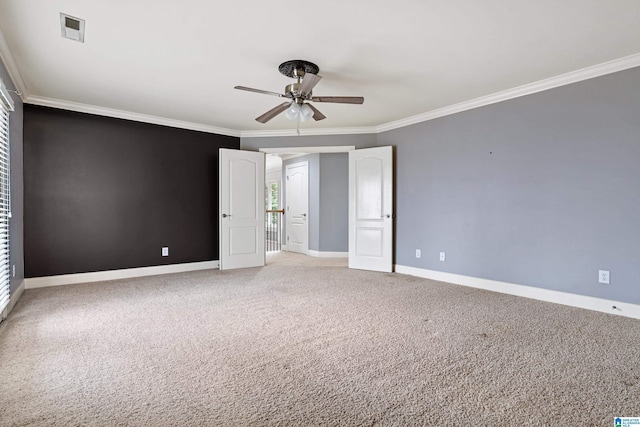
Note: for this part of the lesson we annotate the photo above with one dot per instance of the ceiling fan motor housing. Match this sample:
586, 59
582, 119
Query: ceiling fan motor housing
294, 90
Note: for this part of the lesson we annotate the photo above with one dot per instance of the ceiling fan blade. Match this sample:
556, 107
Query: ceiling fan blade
309, 81
273, 112
339, 99
265, 92
317, 115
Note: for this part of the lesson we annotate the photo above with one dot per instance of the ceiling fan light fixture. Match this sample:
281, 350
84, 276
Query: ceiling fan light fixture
305, 112
300, 112
293, 111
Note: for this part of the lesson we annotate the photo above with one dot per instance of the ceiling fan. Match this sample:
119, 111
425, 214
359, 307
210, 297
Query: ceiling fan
300, 93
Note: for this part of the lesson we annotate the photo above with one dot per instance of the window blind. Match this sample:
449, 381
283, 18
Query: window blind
6, 105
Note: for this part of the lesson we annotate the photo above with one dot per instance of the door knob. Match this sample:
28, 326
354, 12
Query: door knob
304, 215
225, 215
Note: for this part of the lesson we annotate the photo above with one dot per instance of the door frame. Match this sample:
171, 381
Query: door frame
299, 151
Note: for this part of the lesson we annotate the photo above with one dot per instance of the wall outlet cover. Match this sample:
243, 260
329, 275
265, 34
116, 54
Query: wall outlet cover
418, 253
443, 256
165, 251
603, 276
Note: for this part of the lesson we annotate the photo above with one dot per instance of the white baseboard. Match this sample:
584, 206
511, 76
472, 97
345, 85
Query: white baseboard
326, 254
99, 276
573, 300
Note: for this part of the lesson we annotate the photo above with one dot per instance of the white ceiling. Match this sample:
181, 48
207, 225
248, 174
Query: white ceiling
179, 60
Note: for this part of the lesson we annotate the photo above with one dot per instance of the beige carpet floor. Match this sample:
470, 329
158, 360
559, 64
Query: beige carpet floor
305, 342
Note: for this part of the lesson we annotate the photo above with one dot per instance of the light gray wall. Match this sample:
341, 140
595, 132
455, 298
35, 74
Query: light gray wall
334, 202
16, 227
542, 190
314, 202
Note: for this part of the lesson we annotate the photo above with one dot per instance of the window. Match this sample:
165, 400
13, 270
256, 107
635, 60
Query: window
271, 195
6, 105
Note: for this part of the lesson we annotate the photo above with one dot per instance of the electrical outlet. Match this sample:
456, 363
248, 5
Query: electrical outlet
443, 257
418, 253
165, 251
603, 276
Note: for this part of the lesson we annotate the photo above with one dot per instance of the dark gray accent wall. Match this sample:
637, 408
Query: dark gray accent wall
104, 193
334, 202
16, 226
542, 190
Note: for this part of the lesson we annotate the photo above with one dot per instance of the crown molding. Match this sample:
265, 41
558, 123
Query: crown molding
120, 114
609, 67
12, 68
307, 132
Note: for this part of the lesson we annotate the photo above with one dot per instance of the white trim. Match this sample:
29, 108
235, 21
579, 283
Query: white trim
516, 92
100, 276
327, 254
565, 298
120, 114
307, 132
12, 68
309, 150
286, 157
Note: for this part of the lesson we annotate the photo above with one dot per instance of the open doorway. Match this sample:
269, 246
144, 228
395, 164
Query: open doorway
321, 219
368, 207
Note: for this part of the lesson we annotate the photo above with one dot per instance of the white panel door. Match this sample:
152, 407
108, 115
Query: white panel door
371, 209
241, 219
296, 213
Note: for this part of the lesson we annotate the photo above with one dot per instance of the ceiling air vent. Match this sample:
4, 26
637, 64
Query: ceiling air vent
72, 28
